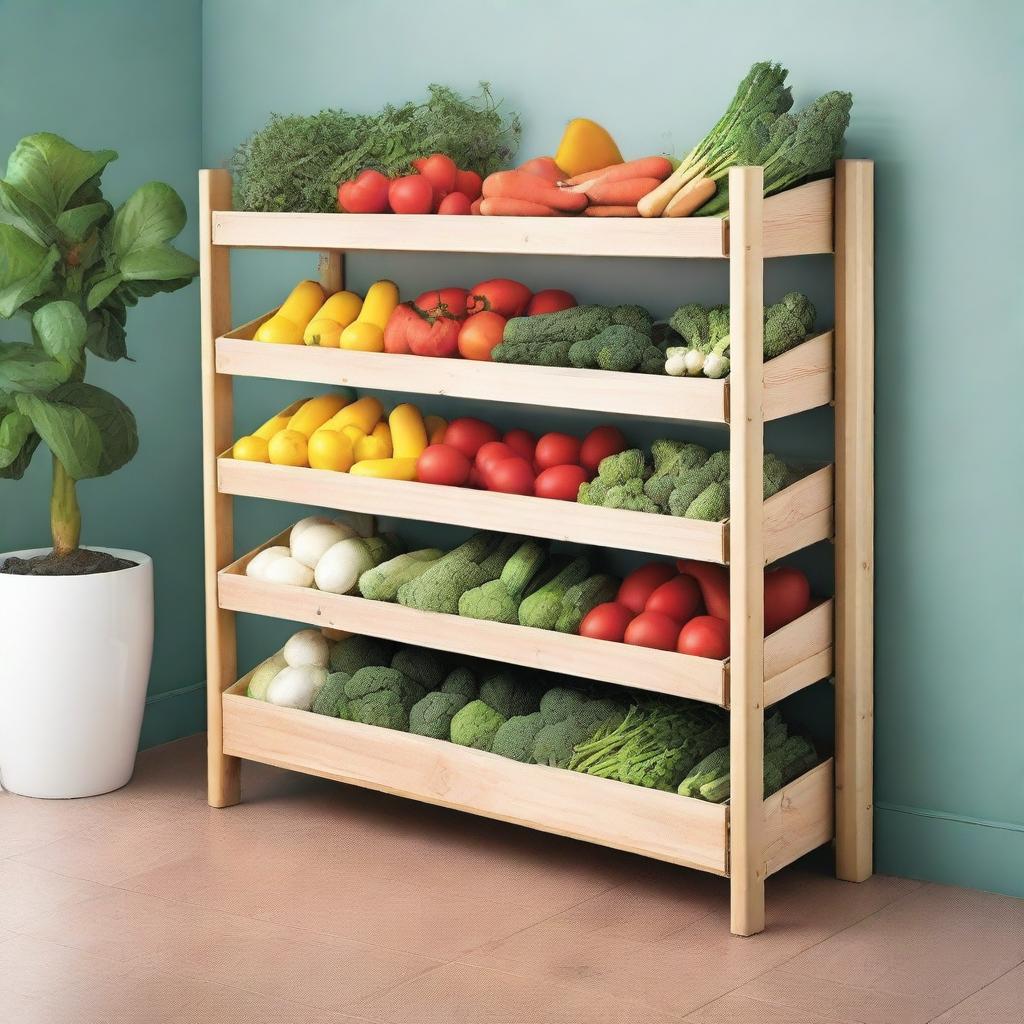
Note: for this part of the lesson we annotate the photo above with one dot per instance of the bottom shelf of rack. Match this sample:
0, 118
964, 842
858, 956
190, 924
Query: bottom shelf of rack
663, 826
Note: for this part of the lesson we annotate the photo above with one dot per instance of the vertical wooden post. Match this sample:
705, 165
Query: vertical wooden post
331, 269
223, 782
746, 550
855, 511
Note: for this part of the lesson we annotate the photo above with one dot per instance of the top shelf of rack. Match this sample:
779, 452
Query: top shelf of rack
796, 223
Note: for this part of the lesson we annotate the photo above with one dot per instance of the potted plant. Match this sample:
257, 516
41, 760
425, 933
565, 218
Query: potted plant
76, 624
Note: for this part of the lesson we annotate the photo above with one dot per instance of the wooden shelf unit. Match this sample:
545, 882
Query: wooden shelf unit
750, 837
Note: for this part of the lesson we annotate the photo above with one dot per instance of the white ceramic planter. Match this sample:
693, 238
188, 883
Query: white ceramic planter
75, 654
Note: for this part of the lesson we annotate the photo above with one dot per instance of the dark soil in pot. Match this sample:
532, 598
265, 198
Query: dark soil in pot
79, 563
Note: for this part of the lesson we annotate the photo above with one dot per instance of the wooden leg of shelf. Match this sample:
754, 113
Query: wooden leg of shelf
332, 271
854, 510
223, 775
746, 552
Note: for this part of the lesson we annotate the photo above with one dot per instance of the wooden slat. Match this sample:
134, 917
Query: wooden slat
798, 818
796, 381
799, 654
666, 672
855, 512
798, 516
746, 551
799, 222
664, 826
215, 318
486, 510
630, 394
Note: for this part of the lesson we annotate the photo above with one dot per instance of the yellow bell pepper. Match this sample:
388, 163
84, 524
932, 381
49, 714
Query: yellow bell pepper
586, 146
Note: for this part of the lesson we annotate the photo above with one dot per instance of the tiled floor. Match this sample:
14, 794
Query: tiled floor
313, 903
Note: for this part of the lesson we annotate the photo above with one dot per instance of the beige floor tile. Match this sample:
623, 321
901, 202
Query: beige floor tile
38, 969
27, 892
831, 998
27, 824
1001, 1002
939, 942
460, 994
18, 1009
736, 1009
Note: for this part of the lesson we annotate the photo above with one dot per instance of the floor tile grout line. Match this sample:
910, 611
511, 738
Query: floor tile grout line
975, 992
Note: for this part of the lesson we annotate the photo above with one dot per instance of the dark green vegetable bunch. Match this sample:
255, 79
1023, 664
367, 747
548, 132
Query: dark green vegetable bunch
295, 162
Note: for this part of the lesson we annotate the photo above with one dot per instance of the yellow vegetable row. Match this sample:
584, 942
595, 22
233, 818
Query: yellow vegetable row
334, 432
342, 320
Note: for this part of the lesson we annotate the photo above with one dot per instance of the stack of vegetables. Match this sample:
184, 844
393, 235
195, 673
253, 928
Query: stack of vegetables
663, 743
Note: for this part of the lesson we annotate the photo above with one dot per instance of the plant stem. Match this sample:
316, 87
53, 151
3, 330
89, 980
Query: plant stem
65, 516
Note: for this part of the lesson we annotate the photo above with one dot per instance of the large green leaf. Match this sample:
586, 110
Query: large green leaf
69, 433
26, 268
61, 330
49, 170
15, 428
26, 369
158, 263
20, 211
75, 223
106, 335
152, 215
101, 289
119, 435
16, 470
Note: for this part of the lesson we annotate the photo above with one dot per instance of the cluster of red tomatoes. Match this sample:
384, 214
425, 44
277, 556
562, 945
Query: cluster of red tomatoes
476, 454
438, 187
466, 322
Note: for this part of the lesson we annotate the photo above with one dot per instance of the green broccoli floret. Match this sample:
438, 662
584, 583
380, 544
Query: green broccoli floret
786, 323
462, 681
352, 653
381, 696
617, 469
330, 695
421, 665
554, 744
718, 326
553, 353
776, 474
542, 607
690, 322
711, 505
579, 600
433, 714
619, 347
446, 580
592, 493
475, 725
560, 703
637, 317
652, 361
672, 456
565, 325
516, 738
498, 600
630, 496
508, 695
381, 583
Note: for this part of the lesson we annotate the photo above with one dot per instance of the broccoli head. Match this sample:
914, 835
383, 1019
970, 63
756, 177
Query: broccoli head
439, 588
592, 493
508, 695
636, 317
421, 665
433, 714
786, 323
380, 696
381, 583
552, 353
461, 681
352, 653
690, 322
776, 474
672, 456
331, 695
475, 725
718, 326
617, 469
619, 347
711, 505
564, 325
580, 598
492, 602
516, 737
559, 703
541, 608
554, 744
630, 496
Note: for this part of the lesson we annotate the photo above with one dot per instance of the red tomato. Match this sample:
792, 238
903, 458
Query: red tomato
434, 336
444, 302
440, 171
474, 207
491, 452
500, 295
520, 441
678, 598
476, 481
442, 464
468, 434
652, 629
557, 449
638, 586
600, 442
455, 203
510, 476
396, 333
551, 300
411, 194
606, 621
479, 334
561, 482
705, 637
787, 596
366, 193
469, 183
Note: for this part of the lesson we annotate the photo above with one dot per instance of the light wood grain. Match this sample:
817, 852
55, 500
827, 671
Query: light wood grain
799, 515
664, 826
799, 221
746, 551
855, 511
485, 510
215, 318
799, 379
331, 271
798, 818
799, 654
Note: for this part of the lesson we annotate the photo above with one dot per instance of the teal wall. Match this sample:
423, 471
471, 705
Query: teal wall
936, 99
124, 75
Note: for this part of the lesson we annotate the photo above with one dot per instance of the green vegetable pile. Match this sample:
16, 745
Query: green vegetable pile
294, 163
661, 743
588, 337
686, 480
705, 330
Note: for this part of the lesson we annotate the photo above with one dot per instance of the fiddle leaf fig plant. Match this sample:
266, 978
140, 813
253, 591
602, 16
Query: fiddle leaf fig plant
71, 265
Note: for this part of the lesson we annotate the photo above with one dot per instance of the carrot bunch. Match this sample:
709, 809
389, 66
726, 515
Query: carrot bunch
614, 191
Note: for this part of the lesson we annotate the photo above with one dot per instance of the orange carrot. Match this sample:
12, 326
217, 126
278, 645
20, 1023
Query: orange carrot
611, 211
520, 185
621, 193
543, 167
499, 206
646, 167
692, 196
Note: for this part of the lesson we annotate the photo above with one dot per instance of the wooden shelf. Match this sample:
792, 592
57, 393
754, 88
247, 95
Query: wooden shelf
794, 657
797, 380
661, 825
797, 222
794, 518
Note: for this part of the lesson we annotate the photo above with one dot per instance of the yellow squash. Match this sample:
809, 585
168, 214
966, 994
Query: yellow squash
366, 332
285, 327
316, 412
254, 447
409, 435
331, 319
363, 414
386, 469
586, 146
371, 447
